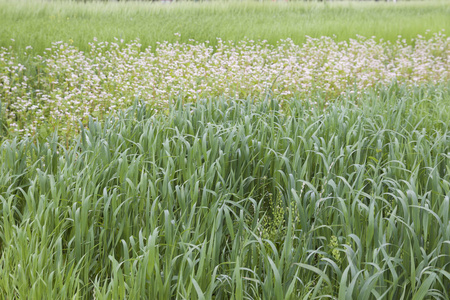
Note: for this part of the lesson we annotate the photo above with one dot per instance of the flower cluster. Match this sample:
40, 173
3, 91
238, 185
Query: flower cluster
65, 85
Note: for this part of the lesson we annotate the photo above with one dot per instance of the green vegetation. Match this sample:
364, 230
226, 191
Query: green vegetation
228, 199
40, 23
132, 168
65, 85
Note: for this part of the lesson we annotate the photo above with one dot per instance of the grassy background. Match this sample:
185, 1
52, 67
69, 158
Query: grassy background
39, 23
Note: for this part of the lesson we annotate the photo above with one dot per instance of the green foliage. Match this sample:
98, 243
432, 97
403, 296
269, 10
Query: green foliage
40, 23
161, 206
3, 128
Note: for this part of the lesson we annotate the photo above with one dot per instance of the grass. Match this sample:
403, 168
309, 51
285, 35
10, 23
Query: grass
40, 23
331, 182
233, 199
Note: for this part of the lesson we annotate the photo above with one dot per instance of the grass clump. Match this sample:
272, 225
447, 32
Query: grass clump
183, 205
3, 127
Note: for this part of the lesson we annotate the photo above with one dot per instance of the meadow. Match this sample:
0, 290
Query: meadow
40, 23
246, 151
64, 85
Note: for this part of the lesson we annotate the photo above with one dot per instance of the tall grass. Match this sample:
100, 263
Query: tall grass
229, 199
3, 128
40, 23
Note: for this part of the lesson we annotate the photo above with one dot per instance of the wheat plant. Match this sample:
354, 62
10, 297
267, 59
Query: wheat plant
235, 199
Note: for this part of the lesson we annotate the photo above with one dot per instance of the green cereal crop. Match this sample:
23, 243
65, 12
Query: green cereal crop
225, 198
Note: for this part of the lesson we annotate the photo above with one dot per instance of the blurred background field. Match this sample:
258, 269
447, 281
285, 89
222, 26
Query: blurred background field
39, 23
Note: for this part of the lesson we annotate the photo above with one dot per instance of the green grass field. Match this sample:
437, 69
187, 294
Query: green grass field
227, 199
297, 169
39, 23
